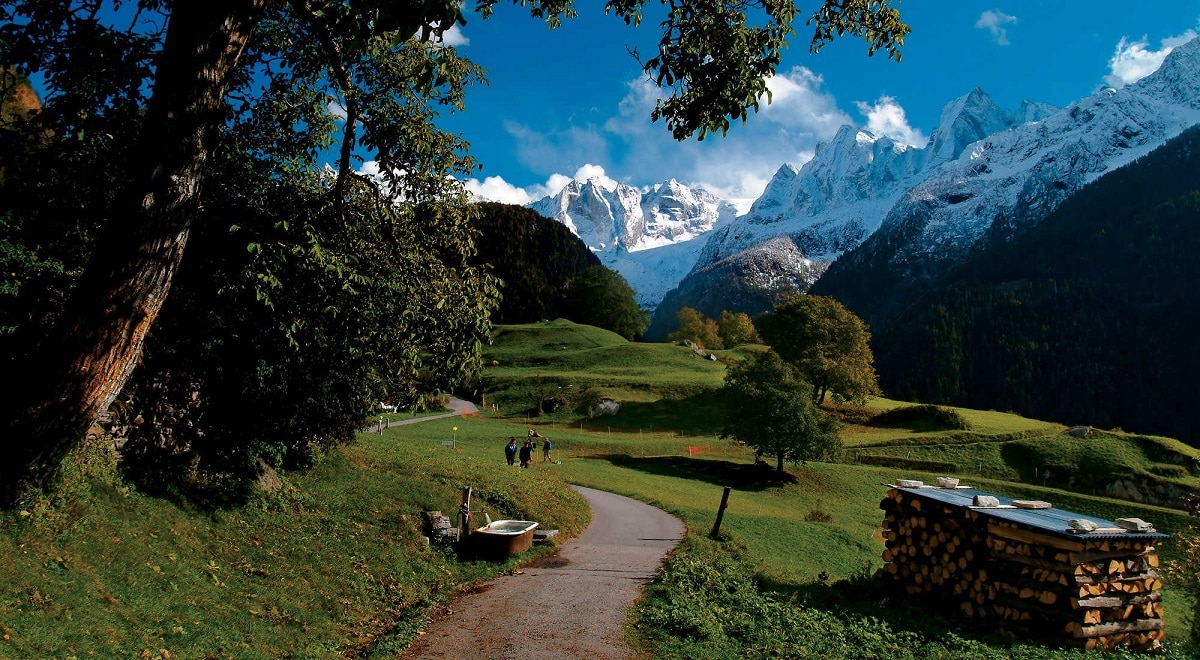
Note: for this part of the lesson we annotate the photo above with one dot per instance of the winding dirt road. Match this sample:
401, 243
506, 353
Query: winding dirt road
569, 605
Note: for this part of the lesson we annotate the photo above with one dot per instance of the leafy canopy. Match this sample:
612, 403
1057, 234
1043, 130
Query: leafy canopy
698, 329
827, 343
771, 409
737, 329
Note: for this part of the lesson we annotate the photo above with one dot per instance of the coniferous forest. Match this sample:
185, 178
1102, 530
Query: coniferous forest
1089, 317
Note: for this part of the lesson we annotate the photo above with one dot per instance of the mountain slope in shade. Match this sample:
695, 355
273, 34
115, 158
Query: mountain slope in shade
1075, 318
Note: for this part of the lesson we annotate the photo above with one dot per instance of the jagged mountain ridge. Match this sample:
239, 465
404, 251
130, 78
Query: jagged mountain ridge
840, 197
828, 206
1010, 181
647, 236
985, 172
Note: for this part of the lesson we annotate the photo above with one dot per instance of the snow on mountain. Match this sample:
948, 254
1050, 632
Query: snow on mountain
983, 164
842, 195
1020, 175
647, 236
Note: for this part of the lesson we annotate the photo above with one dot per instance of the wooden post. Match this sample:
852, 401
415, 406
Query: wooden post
464, 514
720, 513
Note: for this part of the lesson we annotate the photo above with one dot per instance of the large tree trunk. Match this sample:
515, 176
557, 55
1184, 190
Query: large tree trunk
99, 340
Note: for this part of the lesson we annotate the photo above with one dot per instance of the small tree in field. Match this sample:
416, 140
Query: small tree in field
827, 342
737, 329
771, 409
696, 328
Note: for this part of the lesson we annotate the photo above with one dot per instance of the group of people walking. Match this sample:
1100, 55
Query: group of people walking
525, 452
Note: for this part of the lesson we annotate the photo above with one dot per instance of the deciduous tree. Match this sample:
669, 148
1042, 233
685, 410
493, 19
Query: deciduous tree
163, 94
827, 343
698, 329
771, 409
737, 329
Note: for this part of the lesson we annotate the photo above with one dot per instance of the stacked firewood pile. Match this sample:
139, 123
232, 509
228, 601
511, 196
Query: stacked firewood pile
1024, 567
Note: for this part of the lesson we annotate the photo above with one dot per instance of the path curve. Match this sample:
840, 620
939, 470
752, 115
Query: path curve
569, 605
459, 407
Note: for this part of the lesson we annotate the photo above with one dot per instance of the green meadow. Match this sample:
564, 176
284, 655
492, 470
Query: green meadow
335, 565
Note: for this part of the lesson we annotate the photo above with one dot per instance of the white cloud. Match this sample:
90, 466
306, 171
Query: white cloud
454, 37
554, 185
594, 172
993, 21
886, 117
1133, 61
740, 164
737, 166
798, 103
496, 189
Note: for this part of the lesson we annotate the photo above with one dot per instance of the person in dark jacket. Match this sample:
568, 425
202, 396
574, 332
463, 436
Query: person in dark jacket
510, 450
527, 454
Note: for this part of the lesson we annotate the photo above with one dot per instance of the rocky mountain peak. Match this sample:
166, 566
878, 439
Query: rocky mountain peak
965, 120
1179, 76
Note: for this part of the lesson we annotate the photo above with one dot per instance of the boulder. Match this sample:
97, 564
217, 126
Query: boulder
605, 406
268, 478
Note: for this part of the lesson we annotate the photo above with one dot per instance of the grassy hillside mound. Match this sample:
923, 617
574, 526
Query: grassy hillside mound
558, 371
334, 564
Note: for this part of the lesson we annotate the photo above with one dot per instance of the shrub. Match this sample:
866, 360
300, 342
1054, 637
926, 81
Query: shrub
818, 514
923, 417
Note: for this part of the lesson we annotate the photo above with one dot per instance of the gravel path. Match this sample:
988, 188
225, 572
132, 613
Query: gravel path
570, 605
457, 406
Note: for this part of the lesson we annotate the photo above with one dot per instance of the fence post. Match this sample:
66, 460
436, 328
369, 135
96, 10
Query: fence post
720, 513
464, 514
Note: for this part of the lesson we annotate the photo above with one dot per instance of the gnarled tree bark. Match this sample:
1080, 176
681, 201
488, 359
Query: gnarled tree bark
98, 342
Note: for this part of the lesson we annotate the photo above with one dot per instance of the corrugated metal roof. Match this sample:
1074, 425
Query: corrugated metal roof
1052, 520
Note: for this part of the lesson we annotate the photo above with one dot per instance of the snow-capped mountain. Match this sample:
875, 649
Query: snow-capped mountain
920, 206
841, 196
1015, 178
646, 236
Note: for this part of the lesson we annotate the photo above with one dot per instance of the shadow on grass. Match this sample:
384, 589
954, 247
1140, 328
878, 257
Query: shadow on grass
741, 476
702, 413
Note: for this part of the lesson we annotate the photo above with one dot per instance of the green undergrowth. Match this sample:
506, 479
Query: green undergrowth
706, 603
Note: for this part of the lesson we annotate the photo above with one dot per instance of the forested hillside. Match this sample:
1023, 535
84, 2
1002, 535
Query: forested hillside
535, 258
1089, 317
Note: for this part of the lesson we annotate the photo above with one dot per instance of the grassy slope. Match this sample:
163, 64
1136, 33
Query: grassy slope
336, 565
788, 551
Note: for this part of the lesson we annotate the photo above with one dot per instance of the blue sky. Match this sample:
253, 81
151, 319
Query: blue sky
572, 102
